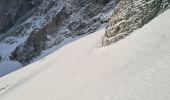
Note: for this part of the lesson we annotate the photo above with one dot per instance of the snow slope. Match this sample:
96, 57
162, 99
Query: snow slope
17, 44
135, 68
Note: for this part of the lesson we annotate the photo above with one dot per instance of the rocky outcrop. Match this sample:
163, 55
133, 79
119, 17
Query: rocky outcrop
130, 15
31, 48
48, 22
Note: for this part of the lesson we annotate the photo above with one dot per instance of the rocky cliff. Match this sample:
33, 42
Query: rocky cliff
130, 15
31, 26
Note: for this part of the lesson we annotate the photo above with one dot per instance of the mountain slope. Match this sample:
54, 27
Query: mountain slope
35, 26
135, 68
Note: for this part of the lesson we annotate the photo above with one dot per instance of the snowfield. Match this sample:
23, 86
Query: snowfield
135, 68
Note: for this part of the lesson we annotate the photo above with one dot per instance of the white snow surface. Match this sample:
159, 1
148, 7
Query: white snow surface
135, 68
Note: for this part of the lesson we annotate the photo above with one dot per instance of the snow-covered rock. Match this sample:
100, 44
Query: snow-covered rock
130, 15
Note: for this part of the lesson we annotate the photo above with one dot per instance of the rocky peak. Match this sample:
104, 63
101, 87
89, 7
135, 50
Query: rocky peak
130, 15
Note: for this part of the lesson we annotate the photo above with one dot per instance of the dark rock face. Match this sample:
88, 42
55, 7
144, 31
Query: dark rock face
49, 22
31, 48
130, 15
12, 10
